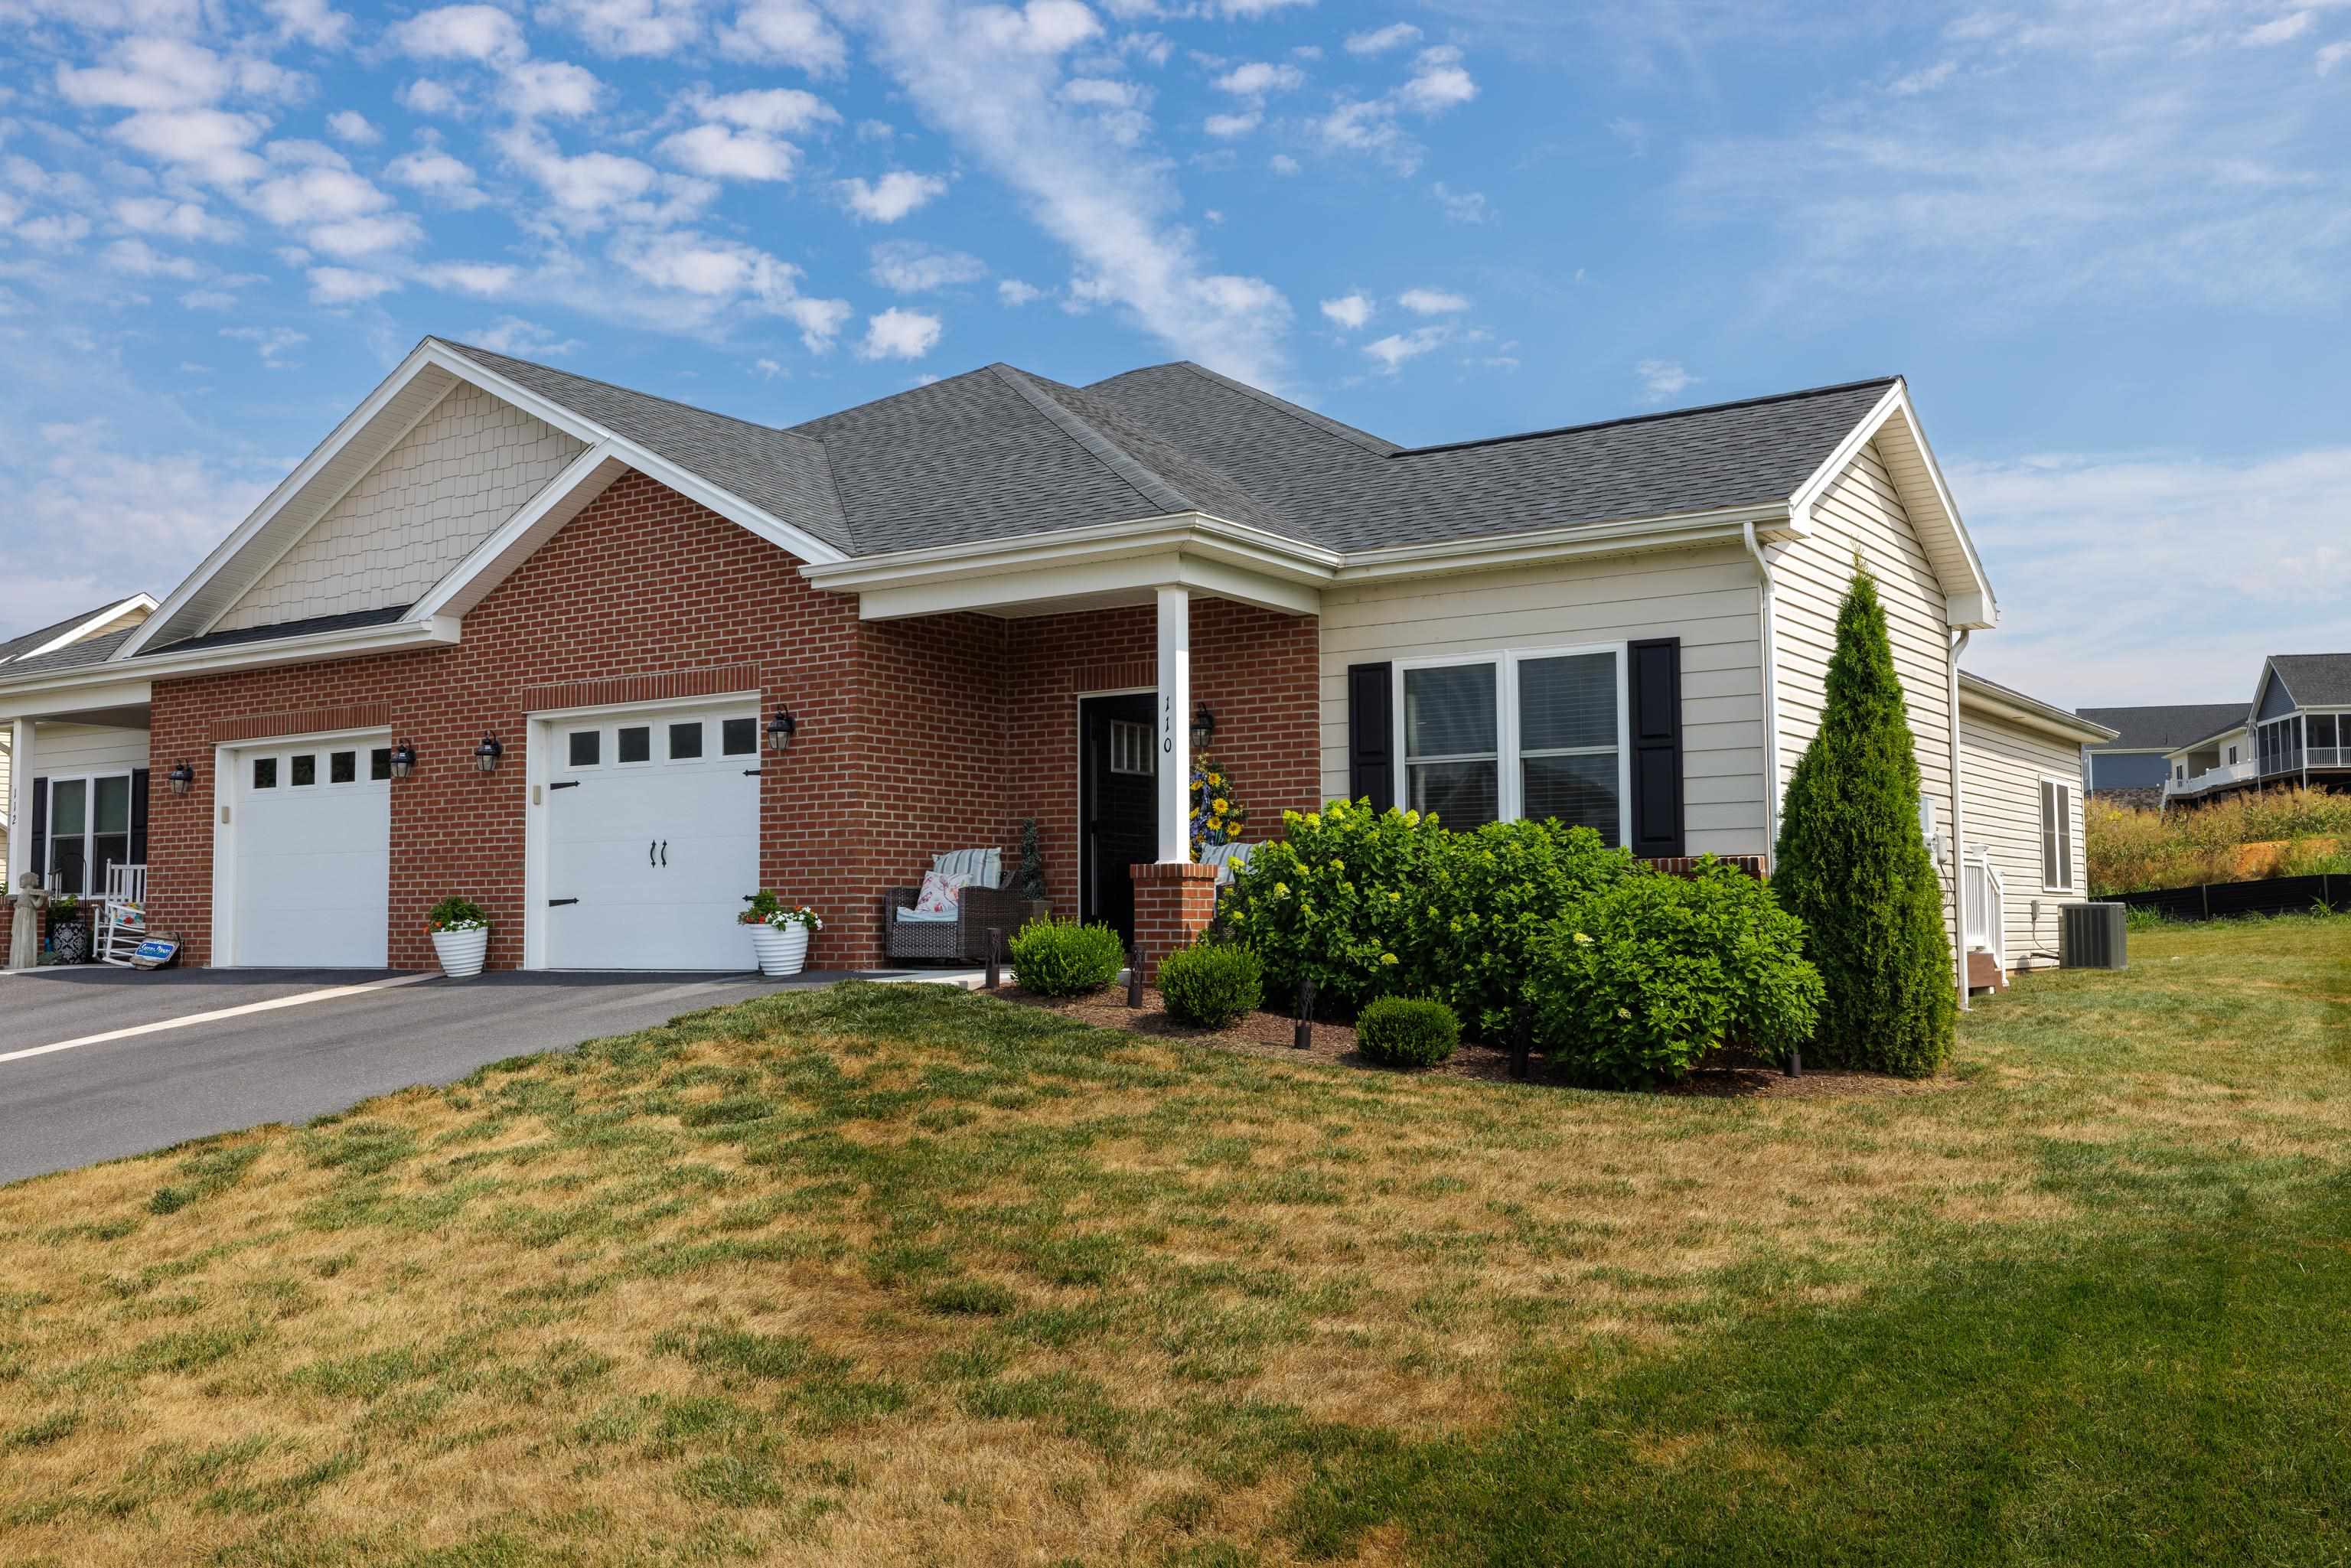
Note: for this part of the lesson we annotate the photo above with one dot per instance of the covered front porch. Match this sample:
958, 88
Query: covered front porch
78, 786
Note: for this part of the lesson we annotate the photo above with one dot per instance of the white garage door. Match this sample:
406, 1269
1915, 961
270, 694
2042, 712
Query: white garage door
652, 838
311, 837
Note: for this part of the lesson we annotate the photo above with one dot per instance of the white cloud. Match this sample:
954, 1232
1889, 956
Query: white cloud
1662, 379
311, 21
898, 334
1369, 126
1284, 163
439, 175
1119, 107
272, 343
425, 96
585, 189
319, 194
778, 112
787, 33
140, 259
2283, 29
2236, 559
153, 73
629, 27
480, 33
524, 339
349, 125
555, 87
909, 267
213, 145
57, 230
482, 279
770, 369
1350, 311
722, 152
1432, 302
1256, 79
178, 219
356, 237
1461, 206
1393, 350
207, 300
892, 197
820, 321
1380, 40
2332, 55
1231, 125
1439, 82
342, 285
1926, 79
1249, 10
1013, 292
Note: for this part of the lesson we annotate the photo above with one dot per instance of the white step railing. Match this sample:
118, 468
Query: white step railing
1983, 903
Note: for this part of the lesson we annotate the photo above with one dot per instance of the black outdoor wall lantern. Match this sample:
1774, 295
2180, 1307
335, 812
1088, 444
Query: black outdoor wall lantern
182, 778
780, 730
404, 759
1204, 726
487, 755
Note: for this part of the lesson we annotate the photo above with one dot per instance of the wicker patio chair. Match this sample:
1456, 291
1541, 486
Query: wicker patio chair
960, 938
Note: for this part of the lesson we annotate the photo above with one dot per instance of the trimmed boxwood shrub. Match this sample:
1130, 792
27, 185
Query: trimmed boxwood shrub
1211, 984
1407, 1031
1646, 977
1064, 958
1853, 866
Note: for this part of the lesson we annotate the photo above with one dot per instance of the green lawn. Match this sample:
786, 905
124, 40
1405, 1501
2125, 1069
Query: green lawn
887, 1276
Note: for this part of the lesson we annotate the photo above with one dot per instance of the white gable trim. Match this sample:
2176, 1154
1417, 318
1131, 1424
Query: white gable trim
439, 368
111, 612
1894, 425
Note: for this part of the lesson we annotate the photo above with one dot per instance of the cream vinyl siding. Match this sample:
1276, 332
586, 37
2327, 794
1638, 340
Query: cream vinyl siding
66, 749
1861, 511
469, 465
2001, 766
1706, 598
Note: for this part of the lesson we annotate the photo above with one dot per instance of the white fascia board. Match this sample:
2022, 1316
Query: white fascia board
1679, 531
419, 358
726, 503
92, 686
1969, 605
1187, 531
489, 563
1974, 697
1083, 584
111, 612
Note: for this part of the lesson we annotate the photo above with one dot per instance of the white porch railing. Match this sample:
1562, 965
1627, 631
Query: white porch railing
2210, 779
1982, 901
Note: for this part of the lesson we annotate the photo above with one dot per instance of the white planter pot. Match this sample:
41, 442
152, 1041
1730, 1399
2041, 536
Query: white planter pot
782, 951
461, 952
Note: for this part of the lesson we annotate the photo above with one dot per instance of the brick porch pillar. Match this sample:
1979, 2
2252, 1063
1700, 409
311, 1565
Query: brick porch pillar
1174, 902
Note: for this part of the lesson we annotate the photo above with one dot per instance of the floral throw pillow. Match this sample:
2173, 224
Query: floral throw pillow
941, 893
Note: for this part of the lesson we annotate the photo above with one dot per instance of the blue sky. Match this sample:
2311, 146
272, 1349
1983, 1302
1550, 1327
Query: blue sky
2106, 240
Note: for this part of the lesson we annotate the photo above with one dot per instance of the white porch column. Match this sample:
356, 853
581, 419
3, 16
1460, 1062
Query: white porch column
21, 763
1174, 723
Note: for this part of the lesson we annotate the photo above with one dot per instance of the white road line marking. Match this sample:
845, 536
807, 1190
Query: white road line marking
328, 995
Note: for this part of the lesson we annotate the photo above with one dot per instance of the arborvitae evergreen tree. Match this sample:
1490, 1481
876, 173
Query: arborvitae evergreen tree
1853, 864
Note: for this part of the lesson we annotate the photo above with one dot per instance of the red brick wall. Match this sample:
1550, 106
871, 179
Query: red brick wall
1173, 904
1256, 669
914, 736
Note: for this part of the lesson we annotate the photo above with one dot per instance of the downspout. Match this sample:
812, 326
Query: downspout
1959, 835
1763, 592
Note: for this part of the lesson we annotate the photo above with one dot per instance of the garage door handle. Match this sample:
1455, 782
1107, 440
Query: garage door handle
559, 903
664, 853
649, 853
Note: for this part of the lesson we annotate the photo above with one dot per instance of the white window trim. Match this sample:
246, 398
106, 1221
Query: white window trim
1509, 792
2067, 839
88, 825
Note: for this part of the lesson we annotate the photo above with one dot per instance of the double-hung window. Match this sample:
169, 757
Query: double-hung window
1533, 735
89, 830
2056, 836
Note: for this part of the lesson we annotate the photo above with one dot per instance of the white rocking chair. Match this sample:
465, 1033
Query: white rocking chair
123, 917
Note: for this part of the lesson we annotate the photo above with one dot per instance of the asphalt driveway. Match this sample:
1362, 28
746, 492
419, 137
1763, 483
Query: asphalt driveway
371, 1033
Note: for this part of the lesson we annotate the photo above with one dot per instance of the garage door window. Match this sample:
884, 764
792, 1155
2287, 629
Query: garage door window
587, 747
265, 773
343, 768
739, 736
636, 743
305, 770
379, 764
684, 742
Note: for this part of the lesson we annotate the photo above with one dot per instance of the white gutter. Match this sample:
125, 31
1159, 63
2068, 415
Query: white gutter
390, 637
1763, 593
1959, 833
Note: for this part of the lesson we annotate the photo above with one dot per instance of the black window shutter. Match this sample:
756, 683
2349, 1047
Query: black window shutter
139, 816
1656, 683
1371, 770
40, 856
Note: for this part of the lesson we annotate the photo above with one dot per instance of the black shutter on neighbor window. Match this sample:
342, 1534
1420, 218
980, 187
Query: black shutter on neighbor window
139, 816
1656, 690
1371, 724
39, 859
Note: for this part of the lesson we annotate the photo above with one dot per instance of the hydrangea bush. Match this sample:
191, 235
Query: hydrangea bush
1328, 900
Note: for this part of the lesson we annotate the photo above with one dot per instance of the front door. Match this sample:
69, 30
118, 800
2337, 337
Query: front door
1118, 766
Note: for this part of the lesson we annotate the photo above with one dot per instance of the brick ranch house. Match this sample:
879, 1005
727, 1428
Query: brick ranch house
991, 598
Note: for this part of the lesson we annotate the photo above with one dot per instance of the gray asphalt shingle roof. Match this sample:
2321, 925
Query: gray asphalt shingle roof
2165, 726
72, 656
2322, 678
13, 647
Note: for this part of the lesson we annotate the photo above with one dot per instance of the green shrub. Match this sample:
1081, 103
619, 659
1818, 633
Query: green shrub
1853, 866
1407, 1031
1211, 984
1649, 975
1331, 900
1064, 958
1487, 900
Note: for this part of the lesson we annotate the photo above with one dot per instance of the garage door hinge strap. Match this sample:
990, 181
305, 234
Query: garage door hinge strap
567, 784
750, 773
559, 903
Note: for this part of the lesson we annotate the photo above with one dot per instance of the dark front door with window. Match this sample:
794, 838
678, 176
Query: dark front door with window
1118, 804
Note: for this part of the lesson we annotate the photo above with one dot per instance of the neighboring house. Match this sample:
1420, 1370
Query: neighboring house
118, 615
2021, 767
518, 634
2137, 759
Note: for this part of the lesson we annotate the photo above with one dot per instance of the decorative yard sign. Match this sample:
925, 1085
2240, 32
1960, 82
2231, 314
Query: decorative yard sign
159, 951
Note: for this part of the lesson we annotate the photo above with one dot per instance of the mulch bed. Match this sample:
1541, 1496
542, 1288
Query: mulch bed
1270, 1034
